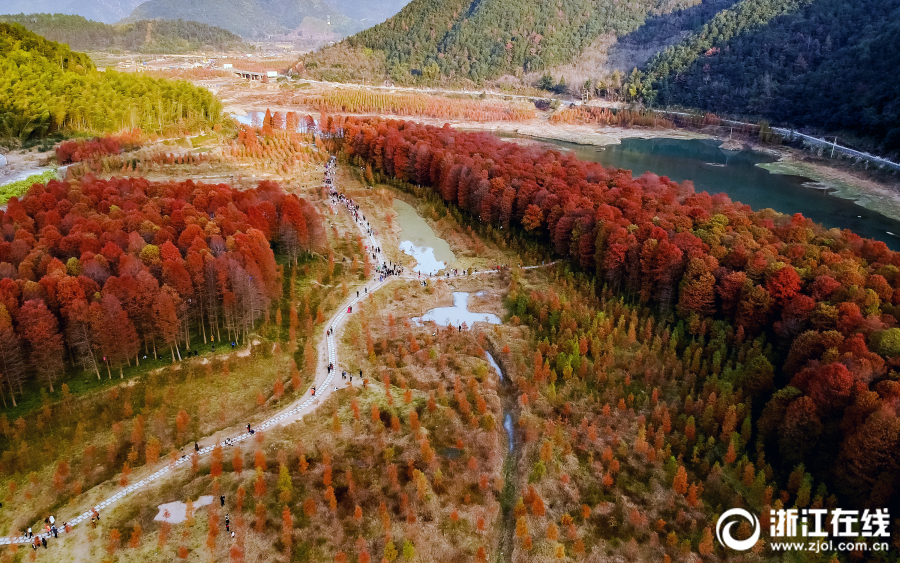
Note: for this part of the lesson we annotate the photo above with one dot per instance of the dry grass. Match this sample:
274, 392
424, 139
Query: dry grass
360, 445
215, 400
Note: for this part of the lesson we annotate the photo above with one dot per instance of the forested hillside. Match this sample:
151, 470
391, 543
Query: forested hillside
158, 36
47, 87
829, 64
482, 39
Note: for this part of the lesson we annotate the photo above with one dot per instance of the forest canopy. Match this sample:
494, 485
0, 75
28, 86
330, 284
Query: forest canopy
146, 36
485, 39
46, 87
826, 300
97, 269
828, 63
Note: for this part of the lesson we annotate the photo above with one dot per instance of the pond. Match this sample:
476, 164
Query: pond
431, 252
176, 512
458, 314
737, 174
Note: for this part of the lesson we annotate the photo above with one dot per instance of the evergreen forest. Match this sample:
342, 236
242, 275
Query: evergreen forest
485, 39
799, 62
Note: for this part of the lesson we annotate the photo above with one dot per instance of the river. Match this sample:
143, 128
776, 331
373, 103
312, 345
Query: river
737, 174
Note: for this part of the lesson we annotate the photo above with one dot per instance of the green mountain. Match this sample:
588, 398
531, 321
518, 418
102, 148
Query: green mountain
479, 39
45, 87
106, 11
827, 63
252, 18
158, 36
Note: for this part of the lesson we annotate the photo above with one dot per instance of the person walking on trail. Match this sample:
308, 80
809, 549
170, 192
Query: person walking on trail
313, 391
196, 446
222, 500
227, 523
44, 542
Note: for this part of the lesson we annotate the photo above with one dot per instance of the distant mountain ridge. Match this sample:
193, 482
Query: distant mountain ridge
105, 11
158, 36
260, 18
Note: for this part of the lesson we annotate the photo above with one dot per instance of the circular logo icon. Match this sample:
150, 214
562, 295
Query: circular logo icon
723, 529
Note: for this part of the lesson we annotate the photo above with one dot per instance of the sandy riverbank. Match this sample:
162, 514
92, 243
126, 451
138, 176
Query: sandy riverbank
21, 164
881, 197
580, 134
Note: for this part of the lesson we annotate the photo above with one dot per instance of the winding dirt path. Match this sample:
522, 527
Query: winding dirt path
322, 384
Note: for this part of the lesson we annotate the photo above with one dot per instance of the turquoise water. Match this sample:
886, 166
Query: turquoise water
736, 173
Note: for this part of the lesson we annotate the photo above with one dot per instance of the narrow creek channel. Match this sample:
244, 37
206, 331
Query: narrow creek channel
432, 254
510, 406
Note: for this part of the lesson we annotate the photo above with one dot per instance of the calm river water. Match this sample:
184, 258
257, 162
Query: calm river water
736, 173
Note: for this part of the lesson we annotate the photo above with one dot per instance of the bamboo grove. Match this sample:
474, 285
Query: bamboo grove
45, 88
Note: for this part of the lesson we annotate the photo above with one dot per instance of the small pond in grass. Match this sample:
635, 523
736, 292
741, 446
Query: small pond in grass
458, 314
431, 252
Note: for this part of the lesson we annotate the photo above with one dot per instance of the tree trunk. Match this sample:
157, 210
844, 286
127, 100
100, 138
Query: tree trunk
96, 369
173, 353
108, 371
121, 375
12, 393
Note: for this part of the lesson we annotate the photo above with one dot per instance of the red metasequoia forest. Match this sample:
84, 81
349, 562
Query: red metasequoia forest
826, 300
114, 269
78, 150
